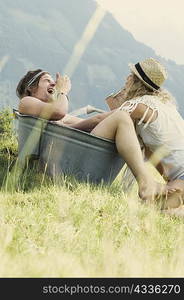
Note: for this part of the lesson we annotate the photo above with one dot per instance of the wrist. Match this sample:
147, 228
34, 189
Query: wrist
62, 94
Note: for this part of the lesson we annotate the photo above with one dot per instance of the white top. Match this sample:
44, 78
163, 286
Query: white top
164, 135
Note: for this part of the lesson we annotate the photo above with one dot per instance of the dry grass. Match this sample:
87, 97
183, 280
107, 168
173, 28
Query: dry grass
69, 229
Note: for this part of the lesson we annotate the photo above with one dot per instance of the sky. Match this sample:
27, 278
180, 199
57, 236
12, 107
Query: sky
158, 24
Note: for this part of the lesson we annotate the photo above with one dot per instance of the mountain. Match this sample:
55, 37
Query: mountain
48, 35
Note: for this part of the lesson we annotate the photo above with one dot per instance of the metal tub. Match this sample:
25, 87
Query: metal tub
68, 151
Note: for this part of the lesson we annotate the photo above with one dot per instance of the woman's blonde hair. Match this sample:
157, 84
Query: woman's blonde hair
136, 88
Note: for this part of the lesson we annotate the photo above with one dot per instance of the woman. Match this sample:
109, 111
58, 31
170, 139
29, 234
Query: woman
157, 123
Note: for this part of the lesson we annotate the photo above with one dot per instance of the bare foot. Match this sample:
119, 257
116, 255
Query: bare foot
173, 198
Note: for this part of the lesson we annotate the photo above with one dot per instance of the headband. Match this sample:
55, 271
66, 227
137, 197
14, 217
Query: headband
35, 77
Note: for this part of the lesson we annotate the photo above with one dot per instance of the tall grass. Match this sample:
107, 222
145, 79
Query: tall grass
64, 228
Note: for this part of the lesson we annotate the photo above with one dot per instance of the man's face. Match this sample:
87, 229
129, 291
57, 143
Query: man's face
45, 89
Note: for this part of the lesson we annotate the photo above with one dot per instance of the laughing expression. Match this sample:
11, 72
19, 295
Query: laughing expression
46, 87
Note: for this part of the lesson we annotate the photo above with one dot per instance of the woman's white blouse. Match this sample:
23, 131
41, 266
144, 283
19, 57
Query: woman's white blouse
164, 136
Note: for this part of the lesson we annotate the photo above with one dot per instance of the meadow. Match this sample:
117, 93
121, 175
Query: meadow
64, 228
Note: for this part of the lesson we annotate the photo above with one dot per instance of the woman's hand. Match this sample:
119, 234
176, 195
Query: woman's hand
63, 84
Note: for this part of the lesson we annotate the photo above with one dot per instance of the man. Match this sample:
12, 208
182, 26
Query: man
41, 96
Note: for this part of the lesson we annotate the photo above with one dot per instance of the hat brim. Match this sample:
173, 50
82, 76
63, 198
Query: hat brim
134, 70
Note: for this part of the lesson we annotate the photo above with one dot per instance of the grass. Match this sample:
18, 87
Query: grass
69, 229
65, 228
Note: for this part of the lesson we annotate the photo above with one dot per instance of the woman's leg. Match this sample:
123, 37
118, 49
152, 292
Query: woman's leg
119, 127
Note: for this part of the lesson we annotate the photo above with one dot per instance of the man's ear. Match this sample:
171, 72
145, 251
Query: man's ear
28, 91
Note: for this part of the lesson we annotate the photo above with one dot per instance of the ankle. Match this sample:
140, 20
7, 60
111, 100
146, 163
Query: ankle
143, 179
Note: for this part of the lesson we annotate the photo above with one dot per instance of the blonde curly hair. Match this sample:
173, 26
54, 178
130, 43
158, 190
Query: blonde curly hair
135, 88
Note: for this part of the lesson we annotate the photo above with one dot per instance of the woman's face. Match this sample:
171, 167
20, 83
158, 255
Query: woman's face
45, 89
128, 84
129, 81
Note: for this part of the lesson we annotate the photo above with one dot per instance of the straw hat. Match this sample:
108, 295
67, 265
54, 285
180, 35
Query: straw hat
150, 72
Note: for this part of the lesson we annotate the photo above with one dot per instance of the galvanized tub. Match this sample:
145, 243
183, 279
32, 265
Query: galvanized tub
68, 151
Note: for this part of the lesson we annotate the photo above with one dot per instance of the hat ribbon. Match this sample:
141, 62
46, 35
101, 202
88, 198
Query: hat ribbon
145, 77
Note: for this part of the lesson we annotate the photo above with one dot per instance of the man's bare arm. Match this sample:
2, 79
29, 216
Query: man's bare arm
54, 110
90, 123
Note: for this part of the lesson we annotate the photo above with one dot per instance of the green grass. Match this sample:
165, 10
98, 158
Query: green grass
65, 228
69, 229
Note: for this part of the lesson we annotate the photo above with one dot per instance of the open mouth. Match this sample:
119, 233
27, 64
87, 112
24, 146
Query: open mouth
50, 90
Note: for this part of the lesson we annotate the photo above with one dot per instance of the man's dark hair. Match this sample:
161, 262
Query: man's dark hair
23, 89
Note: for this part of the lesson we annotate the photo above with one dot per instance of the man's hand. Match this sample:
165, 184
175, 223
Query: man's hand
63, 83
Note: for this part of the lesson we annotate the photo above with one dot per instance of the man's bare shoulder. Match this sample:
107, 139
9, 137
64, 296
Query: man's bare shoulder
29, 99
30, 105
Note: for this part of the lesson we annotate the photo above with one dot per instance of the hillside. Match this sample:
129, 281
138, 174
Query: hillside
40, 34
